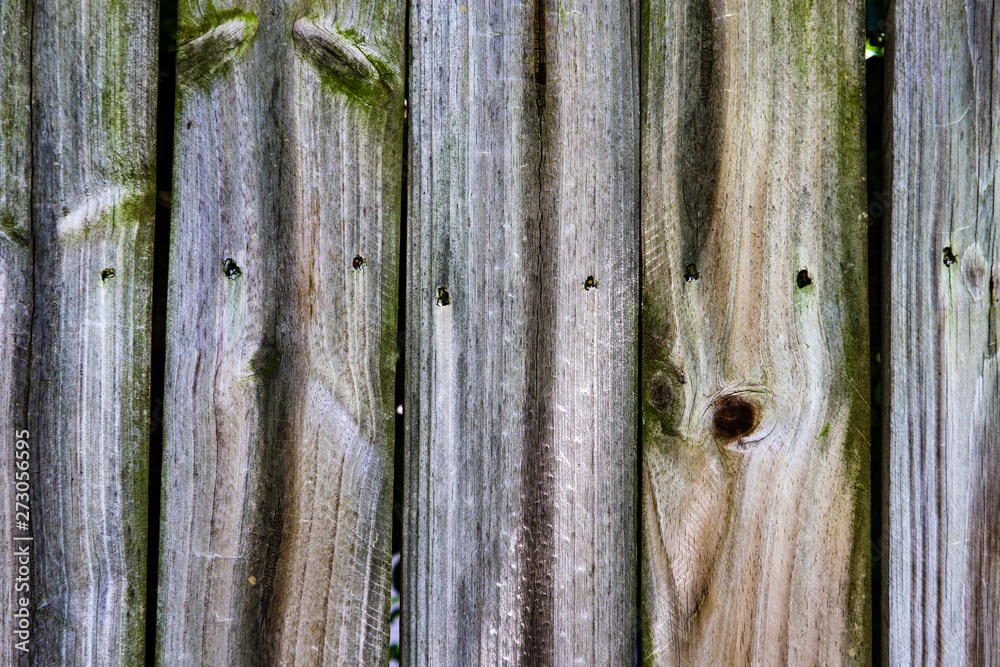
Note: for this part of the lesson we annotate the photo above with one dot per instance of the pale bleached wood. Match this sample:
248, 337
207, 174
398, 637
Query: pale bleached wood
521, 394
280, 353
941, 384
755, 539
93, 105
15, 304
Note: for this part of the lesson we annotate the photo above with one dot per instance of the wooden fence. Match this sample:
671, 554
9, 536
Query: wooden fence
631, 247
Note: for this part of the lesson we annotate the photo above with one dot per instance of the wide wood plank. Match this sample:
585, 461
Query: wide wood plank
281, 334
941, 378
93, 92
521, 334
754, 335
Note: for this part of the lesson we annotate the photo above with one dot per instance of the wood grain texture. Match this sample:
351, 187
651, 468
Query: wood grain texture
941, 384
755, 376
93, 87
521, 400
280, 351
15, 301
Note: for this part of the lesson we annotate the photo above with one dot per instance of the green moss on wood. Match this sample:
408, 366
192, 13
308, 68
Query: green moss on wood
850, 208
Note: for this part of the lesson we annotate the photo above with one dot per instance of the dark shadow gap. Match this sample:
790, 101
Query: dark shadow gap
397, 488
878, 206
399, 442
165, 98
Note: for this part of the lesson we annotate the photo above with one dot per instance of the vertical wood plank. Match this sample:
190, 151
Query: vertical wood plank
755, 345
93, 92
521, 401
15, 313
943, 589
281, 333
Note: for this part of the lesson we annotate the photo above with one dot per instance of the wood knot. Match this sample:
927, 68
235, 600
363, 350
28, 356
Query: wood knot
975, 270
660, 392
734, 417
343, 56
216, 45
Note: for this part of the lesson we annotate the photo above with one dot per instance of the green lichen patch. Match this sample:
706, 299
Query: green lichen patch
11, 230
265, 360
104, 211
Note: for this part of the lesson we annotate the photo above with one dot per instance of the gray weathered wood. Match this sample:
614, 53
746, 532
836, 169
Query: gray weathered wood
755, 389
15, 302
280, 353
93, 92
941, 426
521, 384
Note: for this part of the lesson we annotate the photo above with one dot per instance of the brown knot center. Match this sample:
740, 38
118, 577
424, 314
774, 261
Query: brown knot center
734, 417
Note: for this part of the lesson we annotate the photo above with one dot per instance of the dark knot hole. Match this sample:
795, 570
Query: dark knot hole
734, 417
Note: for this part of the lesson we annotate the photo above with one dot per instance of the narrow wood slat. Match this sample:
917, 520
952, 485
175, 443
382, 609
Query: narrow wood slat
941, 380
521, 394
280, 347
15, 314
93, 92
754, 374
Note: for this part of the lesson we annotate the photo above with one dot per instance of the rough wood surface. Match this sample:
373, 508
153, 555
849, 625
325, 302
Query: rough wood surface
754, 331
941, 381
521, 382
280, 345
15, 307
92, 93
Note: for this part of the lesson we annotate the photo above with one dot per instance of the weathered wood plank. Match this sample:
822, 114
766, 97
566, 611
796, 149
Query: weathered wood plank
15, 316
755, 346
521, 400
941, 426
280, 345
93, 92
